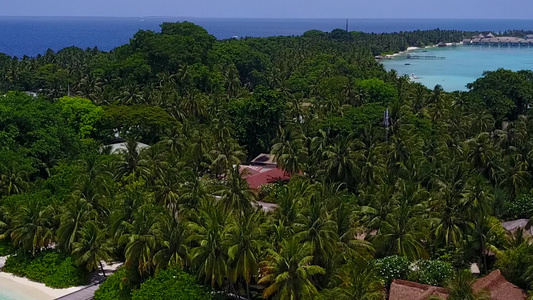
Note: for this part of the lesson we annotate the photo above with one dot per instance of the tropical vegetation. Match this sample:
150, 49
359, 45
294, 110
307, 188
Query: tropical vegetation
369, 197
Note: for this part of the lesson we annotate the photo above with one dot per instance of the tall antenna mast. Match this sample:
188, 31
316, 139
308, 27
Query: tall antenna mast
346, 25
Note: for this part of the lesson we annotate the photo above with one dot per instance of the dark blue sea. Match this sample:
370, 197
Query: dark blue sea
34, 35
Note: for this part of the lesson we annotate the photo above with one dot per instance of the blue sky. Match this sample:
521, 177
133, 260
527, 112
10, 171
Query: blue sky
475, 9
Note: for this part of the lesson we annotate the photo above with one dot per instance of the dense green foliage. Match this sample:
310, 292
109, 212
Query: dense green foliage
515, 265
54, 269
6, 248
369, 198
520, 207
114, 288
393, 267
171, 284
432, 272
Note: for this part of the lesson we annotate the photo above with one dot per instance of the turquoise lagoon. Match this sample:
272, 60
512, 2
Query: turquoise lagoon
462, 64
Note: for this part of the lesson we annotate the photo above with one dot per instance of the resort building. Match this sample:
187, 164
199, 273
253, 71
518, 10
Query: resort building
520, 224
495, 283
500, 41
263, 170
123, 147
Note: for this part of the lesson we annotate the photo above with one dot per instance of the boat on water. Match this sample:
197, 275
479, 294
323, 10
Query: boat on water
407, 64
413, 76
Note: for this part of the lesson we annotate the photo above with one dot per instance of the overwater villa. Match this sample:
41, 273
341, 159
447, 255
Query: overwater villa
500, 41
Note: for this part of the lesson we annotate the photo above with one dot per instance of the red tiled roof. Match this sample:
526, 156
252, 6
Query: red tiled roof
258, 176
500, 289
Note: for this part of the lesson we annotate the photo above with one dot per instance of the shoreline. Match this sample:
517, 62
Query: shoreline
24, 287
34, 290
409, 49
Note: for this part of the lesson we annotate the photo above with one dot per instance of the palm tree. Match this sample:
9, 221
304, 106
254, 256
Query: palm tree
288, 209
152, 163
140, 240
477, 197
13, 182
347, 230
460, 288
236, 194
32, 225
245, 238
372, 166
289, 272
167, 187
92, 247
486, 233
209, 254
8, 211
319, 231
131, 158
402, 230
448, 223
482, 155
516, 177
449, 219
73, 216
225, 155
289, 151
171, 236
358, 279
340, 163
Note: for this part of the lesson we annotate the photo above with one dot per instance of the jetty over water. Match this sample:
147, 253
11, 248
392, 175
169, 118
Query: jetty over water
426, 57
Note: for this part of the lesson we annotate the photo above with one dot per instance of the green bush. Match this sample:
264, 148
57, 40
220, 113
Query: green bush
514, 264
172, 284
432, 272
6, 248
521, 207
269, 192
54, 269
393, 267
353, 120
376, 90
115, 287
17, 264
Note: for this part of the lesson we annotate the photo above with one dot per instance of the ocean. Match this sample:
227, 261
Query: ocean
461, 64
31, 36
34, 35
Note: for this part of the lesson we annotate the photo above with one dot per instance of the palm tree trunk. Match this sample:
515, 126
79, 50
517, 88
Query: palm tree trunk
247, 291
102, 268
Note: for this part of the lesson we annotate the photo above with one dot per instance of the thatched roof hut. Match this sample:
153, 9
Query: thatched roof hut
403, 289
499, 288
495, 283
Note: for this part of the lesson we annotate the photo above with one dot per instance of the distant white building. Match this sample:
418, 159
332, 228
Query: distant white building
121, 147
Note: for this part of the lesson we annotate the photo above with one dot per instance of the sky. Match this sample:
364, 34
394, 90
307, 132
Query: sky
462, 9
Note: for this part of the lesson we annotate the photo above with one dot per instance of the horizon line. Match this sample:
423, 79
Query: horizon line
266, 18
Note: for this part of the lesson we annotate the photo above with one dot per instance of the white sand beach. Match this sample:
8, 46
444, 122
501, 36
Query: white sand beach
410, 49
25, 289
29, 289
